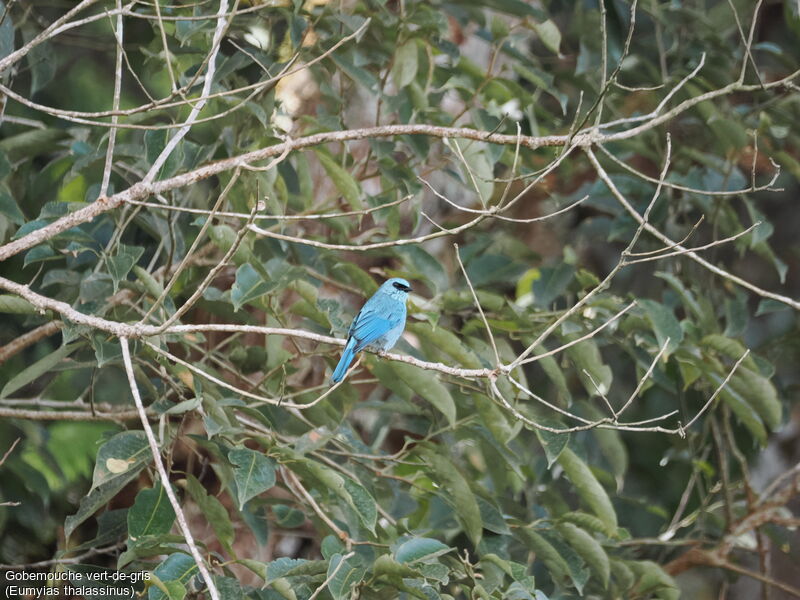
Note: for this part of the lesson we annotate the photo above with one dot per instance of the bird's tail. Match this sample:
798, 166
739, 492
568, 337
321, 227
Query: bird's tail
344, 362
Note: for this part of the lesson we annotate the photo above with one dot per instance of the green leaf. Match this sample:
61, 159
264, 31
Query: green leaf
343, 575
37, 369
126, 451
420, 265
386, 565
214, 512
42, 62
346, 184
664, 324
99, 497
653, 581
562, 567
122, 262
476, 156
611, 445
688, 366
768, 305
623, 575
152, 286
358, 277
736, 315
588, 522
357, 74
362, 502
254, 473
277, 569
549, 35
554, 373
6, 32
224, 237
525, 283
31, 143
256, 566
16, 306
178, 568
387, 376
687, 298
151, 513
741, 408
404, 69
730, 348
9, 207
587, 487
586, 356
456, 492
589, 549
760, 393
229, 588
420, 548
356, 496
491, 517
448, 342
288, 517
494, 419
553, 444
248, 286
106, 349
427, 384
155, 140
551, 284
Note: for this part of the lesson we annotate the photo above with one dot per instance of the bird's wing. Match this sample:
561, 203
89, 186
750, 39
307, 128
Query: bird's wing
369, 325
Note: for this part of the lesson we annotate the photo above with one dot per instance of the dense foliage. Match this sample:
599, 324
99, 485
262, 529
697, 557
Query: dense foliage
586, 395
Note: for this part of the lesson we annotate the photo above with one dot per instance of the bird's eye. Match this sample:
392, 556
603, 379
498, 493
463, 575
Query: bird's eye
401, 287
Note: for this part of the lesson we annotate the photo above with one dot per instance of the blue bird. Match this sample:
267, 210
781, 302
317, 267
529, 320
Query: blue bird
378, 325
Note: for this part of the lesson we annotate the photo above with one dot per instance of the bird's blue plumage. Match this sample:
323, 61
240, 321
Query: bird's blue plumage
378, 325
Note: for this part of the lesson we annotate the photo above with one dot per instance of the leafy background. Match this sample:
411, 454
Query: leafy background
406, 481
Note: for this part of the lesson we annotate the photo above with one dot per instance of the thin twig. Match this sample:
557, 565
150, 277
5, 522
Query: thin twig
9, 451
489, 333
18, 344
162, 473
112, 133
720, 387
644, 378
664, 238
207, 83
330, 577
294, 485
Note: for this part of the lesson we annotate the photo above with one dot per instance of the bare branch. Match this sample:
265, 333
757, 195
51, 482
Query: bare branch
66, 415
59, 25
112, 133
720, 387
162, 473
330, 577
208, 81
489, 333
294, 484
694, 256
644, 378
691, 190
9, 451
28, 339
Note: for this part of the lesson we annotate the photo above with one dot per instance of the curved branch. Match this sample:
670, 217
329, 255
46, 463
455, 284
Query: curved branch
601, 172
